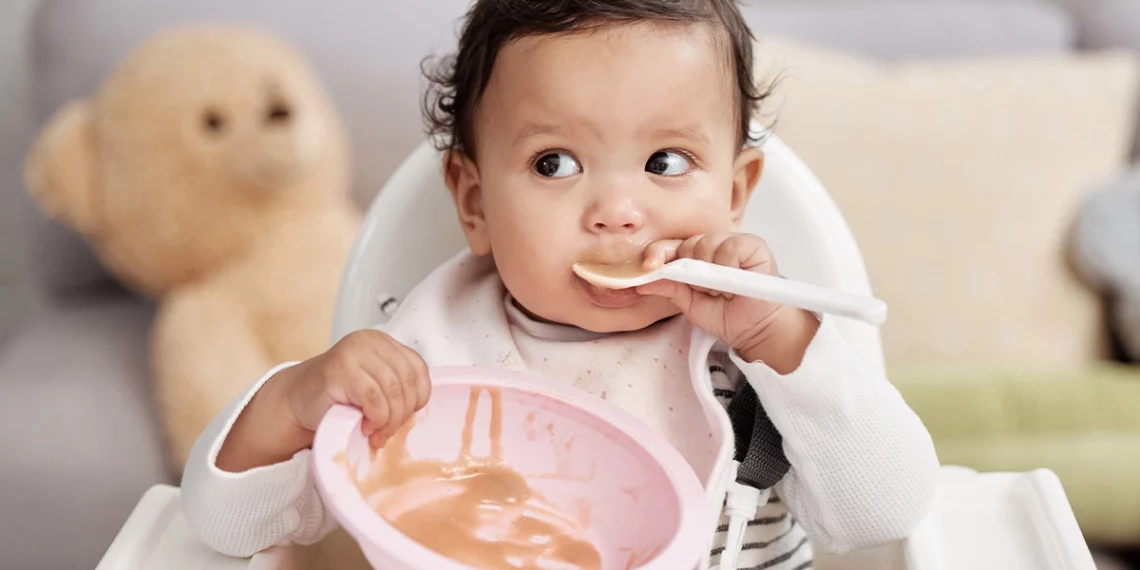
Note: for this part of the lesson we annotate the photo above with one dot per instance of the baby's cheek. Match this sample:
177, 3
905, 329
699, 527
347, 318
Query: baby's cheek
526, 263
539, 290
706, 219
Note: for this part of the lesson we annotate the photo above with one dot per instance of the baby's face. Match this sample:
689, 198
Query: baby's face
589, 146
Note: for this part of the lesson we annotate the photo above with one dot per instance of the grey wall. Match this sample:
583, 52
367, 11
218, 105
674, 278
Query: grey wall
17, 301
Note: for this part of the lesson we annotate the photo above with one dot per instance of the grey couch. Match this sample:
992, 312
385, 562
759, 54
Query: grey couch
78, 436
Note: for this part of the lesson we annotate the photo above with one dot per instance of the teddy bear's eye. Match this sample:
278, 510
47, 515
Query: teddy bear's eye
278, 113
213, 122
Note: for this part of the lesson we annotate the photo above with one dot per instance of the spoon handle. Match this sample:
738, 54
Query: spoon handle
776, 289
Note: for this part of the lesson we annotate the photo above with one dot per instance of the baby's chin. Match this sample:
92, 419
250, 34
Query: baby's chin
581, 311
629, 319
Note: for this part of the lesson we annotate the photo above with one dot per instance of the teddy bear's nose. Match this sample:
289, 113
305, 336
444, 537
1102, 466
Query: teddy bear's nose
278, 113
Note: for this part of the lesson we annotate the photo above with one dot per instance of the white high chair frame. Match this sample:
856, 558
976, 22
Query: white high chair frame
410, 229
979, 521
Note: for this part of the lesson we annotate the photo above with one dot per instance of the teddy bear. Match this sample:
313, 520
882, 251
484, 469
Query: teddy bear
210, 173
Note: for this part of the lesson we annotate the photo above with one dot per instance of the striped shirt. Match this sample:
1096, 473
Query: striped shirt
773, 540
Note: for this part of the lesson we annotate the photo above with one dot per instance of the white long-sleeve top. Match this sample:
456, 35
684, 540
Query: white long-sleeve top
863, 467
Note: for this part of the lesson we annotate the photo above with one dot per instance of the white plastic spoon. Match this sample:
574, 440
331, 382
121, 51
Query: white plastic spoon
738, 282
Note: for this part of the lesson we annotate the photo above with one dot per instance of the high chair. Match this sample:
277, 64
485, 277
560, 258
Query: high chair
979, 521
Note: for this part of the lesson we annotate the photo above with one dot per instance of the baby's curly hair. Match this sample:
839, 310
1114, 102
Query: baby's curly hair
457, 82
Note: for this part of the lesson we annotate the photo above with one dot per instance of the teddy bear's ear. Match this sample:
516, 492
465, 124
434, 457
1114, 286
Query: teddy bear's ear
60, 172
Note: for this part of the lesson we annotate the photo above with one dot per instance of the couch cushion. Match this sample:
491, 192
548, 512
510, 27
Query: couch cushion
81, 443
369, 53
1081, 424
959, 181
901, 29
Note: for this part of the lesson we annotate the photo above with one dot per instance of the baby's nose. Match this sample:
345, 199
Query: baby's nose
619, 218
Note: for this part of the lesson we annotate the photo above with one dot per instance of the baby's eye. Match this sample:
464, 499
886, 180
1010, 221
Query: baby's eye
668, 163
557, 165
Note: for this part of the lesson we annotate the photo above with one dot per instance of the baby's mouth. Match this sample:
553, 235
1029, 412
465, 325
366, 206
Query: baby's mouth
628, 255
610, 298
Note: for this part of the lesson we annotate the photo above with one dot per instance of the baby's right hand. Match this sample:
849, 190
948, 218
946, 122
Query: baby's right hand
368, 369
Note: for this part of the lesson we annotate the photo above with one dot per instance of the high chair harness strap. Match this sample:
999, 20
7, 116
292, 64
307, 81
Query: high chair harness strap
759, 445
758, 465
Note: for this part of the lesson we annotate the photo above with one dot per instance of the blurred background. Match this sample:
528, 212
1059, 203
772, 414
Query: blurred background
982, 152
17, 293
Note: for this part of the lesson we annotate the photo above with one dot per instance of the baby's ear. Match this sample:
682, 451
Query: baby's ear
60, 171
747, 170
463, 180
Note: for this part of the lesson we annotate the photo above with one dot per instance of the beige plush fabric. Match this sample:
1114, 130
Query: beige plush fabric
959, 180
209, 171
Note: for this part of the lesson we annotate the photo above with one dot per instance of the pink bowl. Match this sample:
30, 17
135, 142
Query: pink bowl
641, 495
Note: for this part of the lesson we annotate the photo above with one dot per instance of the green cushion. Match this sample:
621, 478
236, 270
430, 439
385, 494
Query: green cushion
1084, 425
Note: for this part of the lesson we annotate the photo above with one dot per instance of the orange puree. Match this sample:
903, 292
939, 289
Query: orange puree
476, 510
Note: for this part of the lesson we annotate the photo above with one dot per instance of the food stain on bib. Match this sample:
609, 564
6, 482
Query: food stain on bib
478, 511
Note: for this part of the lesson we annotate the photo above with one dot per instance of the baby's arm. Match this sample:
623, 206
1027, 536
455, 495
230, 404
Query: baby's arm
242, 513
248, 483
864, 468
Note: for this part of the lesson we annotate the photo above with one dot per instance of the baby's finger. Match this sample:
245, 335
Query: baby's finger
705, 250
689, 246
743, 251
366, 395
405, 376
385, 379
393, 388
422, 385
659, 253
695, 248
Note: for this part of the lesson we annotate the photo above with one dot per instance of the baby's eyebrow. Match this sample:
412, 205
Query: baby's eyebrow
533, 130
695, 134
691, 133
579, 128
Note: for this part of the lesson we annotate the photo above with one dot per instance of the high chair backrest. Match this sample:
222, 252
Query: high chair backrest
411, 228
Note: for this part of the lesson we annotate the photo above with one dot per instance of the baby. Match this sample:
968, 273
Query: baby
602, 132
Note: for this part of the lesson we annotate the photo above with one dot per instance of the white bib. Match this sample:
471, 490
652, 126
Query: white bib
645, 373
460, 316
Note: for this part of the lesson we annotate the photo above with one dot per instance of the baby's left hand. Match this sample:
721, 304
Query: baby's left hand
759, 330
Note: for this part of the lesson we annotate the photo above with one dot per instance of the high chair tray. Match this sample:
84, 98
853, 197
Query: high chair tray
1006, 521
156, 536
979, 521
